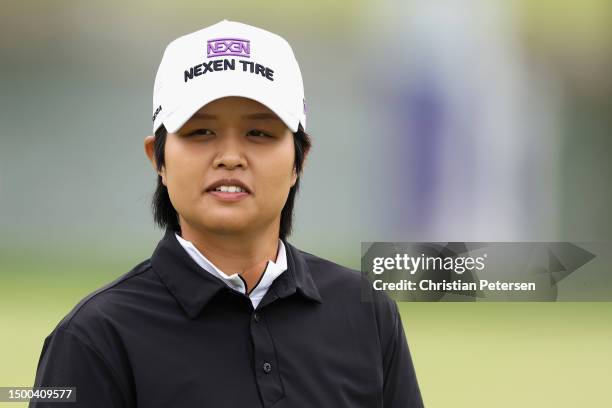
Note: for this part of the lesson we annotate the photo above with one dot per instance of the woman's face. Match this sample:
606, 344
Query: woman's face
230, 138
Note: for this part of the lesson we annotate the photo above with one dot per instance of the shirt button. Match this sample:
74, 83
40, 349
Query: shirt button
256, 317
267, 367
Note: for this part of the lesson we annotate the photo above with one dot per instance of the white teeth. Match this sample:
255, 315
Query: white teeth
230, 189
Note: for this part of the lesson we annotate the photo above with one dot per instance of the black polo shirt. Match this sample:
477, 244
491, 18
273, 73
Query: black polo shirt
169, 334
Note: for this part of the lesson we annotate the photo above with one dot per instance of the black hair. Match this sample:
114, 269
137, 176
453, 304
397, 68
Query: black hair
164, 213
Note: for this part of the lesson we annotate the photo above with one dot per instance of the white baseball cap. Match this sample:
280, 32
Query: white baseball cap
227, 59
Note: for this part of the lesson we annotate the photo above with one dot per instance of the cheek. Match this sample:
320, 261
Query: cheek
276, 177
183, 175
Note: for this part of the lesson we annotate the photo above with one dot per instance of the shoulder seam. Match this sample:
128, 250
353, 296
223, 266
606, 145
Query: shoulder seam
106, 287
316, 258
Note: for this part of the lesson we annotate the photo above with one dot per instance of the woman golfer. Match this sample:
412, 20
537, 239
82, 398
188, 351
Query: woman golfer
226, 312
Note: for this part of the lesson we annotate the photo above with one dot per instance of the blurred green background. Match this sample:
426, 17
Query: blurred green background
431, 121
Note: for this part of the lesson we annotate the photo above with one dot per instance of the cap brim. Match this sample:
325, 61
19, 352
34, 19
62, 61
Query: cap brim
176, 119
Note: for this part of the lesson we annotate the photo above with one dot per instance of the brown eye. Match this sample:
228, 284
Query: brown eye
199, 132
258, 133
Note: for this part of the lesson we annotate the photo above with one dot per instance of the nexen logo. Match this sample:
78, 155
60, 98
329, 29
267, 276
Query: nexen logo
228, 46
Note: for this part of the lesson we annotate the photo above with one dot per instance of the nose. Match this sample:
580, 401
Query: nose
230, 151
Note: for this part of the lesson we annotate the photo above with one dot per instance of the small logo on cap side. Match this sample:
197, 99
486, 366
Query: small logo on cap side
228, 46
159, 108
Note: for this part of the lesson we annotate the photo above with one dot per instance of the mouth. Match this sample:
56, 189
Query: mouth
228, 190
228, 196
228, 186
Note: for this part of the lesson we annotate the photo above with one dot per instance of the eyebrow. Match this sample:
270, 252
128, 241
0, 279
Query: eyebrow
255, 116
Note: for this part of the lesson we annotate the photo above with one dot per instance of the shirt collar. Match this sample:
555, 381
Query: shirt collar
272, 270
193, 289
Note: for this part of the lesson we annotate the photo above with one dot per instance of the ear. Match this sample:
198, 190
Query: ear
294, 175
149, 146
305, 158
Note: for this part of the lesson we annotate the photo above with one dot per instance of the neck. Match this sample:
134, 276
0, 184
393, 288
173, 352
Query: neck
246, 254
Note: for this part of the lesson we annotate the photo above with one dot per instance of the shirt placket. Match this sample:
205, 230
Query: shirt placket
267, 372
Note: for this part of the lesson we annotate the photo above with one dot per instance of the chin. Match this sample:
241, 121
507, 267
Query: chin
225, 225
